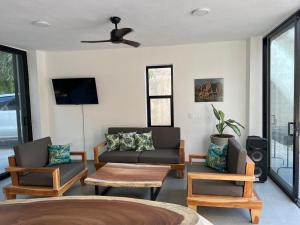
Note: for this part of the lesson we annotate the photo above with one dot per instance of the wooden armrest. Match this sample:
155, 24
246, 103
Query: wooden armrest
220, 176
195, 156
181, 152
32, 169
83, 157
97, 149
249, 161
54, 171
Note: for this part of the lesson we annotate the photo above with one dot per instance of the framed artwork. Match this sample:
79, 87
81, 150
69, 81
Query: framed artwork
209, 90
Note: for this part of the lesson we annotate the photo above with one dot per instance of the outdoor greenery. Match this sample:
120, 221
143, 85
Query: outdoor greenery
222, 124
6, 73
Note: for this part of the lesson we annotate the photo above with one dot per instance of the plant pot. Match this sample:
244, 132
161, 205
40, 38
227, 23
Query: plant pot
220, 139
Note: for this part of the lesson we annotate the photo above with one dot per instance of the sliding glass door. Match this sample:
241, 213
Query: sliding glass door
282, 60
15, 126
281, 104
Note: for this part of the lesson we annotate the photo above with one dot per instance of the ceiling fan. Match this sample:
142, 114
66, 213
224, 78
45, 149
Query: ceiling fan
116, 35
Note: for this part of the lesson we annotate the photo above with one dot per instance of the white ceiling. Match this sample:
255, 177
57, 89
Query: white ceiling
156, 22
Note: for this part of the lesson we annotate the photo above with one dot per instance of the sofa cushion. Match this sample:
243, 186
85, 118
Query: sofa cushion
160, 156
119, 156
33, 154
116, 130
236, 158
212, 187
166, 137
67, 171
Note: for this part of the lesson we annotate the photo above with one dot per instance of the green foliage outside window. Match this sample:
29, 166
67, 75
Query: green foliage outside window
6, 73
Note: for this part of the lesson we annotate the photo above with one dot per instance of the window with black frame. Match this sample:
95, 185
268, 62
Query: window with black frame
15, 122
159, 81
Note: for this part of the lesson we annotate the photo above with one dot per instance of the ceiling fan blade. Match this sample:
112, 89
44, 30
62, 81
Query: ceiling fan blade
95, 41
122, 32
131, 43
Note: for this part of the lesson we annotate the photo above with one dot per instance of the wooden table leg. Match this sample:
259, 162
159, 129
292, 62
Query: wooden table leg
105, 190
154, 193
96, 190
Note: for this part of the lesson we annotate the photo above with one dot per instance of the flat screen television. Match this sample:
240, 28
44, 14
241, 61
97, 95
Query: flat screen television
75, 91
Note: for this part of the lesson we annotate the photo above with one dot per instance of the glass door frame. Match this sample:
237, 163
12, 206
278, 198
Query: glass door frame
294, 20
22, 88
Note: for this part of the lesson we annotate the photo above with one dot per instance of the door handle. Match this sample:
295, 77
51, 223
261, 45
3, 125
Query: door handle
292, 128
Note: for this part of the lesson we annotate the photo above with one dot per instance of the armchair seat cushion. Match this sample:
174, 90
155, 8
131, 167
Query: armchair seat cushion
67, 171
119, 156
213, 187
168, 156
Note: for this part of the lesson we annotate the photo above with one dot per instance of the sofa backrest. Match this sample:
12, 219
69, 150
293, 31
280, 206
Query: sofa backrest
166, 137
163, 137
116, 130
33, 154
236, 158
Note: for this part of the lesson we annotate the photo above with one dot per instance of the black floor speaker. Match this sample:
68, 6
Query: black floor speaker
257, 151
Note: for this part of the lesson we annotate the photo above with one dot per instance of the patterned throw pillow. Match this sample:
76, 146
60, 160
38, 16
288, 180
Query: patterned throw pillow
59, 154
127, 141
113, 142
144, 142
217, 157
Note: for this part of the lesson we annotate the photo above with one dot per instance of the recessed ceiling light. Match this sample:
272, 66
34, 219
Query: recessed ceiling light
200, 11
41, 23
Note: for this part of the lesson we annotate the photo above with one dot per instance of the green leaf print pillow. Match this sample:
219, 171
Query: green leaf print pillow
127, 141
217, 157
113, 142
59, 154
144, 142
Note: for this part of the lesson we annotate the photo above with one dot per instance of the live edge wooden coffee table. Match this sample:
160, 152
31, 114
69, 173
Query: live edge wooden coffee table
129, 175
96, 210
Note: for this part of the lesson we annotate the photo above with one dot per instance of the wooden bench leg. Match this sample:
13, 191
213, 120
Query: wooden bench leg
255, 215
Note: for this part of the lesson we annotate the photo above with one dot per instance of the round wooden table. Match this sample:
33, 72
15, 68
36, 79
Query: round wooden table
96, 210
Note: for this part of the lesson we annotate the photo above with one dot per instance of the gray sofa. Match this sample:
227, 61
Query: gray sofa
169, 149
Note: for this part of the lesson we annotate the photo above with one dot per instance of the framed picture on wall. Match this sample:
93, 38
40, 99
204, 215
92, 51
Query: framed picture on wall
209, 90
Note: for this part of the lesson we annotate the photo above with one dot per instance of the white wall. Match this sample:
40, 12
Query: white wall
39, 93
120, 77
254, 86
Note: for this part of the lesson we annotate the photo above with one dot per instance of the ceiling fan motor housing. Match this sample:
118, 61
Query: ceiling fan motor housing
114, 38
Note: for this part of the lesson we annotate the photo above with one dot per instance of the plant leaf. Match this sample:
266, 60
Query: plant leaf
233, 121
222, 115
216, 112
234, 128
239, 124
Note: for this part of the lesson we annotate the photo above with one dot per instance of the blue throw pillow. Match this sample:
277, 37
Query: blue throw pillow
59, 154
217, 157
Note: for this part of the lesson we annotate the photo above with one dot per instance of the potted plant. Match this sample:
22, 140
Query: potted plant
221, 138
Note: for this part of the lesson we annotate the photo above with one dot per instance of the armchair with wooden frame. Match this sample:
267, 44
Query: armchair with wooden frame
207, 187
30, 174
